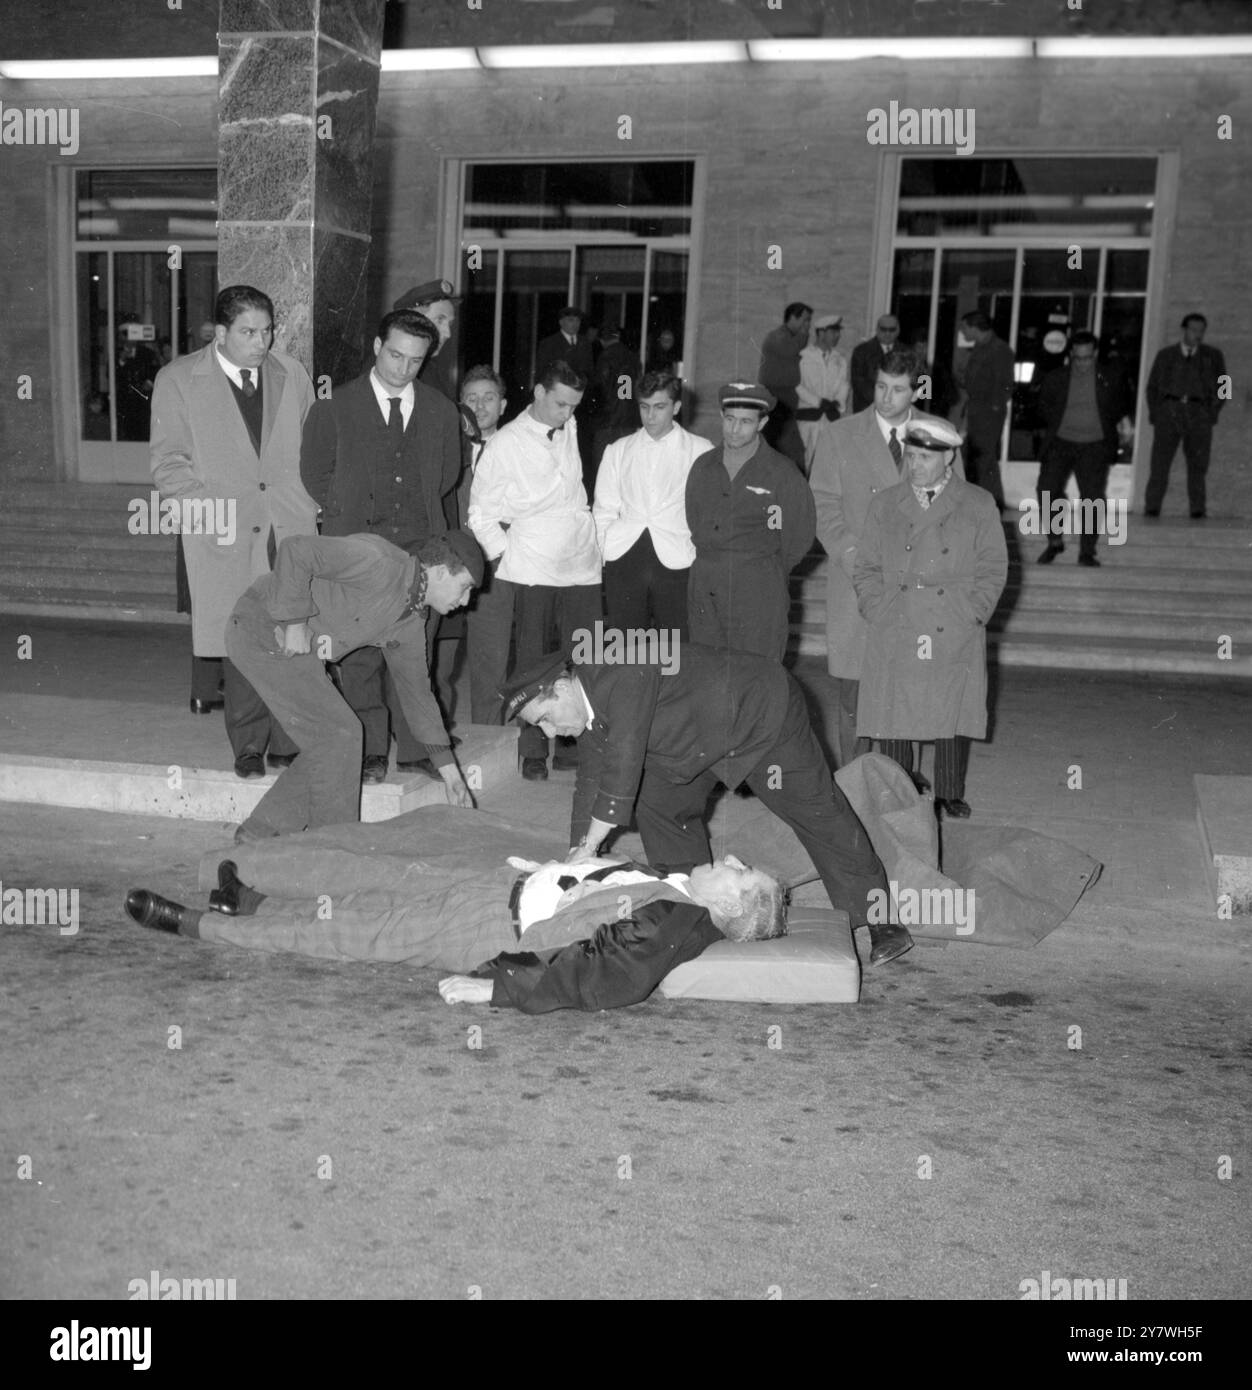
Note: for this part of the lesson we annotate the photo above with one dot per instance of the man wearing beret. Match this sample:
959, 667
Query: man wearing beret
930, 567
436, 301
751, 518
325, 598
657, 744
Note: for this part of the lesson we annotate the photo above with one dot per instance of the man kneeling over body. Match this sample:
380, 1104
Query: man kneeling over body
608, 943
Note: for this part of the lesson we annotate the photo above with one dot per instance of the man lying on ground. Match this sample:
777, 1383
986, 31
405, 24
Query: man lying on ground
609, 942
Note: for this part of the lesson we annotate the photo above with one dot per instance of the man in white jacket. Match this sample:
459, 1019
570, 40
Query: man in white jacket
528, 510
825, 388
641, 514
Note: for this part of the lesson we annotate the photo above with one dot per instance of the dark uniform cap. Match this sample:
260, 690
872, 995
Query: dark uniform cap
464, 546
523, 688
429, 293
746, 393
571, 311
932, 434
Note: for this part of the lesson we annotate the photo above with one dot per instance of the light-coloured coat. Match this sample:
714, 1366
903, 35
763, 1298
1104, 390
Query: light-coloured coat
852, 463
200, 448
928, 579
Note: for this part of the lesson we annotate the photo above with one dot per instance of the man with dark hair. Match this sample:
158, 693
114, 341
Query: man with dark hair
987, 381
382, 457
1184, 400
750, 513
657, 744
641, 514
858, 457
1080, 409
779, 373
528, 509
867, 358
325, 598
436, 302
226, 424
569, 344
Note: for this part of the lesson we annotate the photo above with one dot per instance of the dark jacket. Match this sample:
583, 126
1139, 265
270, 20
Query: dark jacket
612, 411
622, 963
1110, 405
348, 464
1172, 376
580, 356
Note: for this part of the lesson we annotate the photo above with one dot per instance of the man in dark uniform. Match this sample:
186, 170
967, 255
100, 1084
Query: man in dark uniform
659, 744
382, 457
1184, 400
435, 301
751, 517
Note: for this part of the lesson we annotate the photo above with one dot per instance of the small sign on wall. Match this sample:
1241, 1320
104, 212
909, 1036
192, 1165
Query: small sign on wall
139, 332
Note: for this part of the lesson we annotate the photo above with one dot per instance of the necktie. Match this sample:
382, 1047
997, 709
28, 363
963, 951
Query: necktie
249, 388
395, 421
930, 495
897, 451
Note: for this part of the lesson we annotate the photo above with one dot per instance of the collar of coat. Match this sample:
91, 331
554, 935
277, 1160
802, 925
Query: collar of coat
947, 501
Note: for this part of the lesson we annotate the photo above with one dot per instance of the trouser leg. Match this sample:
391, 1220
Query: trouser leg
846, 744
1092, 473
626, 587
1196, 444
361, 675
669, 600
323, 785
951, 758
408, 749
793, 781
535, 618
206, 678
1166, 436
1054, 470
899, 750
250, 725
489, 626
671, 821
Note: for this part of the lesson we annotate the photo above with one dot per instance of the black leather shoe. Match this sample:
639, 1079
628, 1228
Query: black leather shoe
1050, 554
249, 765
225, 897
281, 759
888, 941
1199, 516
1147, 511
1090, 561
206, 706
535, 769
374, 768
152, 910
954, 807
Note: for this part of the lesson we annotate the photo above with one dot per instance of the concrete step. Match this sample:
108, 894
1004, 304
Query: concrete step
115, 540
1063, 602
118, 608
113, 553
1208, 627
99, 582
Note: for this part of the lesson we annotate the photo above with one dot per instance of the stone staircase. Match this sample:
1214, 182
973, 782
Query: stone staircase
1161, 602
66, 551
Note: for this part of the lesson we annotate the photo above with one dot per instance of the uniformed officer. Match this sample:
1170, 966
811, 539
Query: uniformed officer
436, 301
658, 743
751, 517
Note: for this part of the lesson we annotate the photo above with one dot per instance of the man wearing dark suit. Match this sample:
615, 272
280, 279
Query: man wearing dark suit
856, 458
657, 743
1080, 409
1184, 401
226, 425
779, 373
575, 348
750, 514
988, 385
868, 356
380, 457
615, 411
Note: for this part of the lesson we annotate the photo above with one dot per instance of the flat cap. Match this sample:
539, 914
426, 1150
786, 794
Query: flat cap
429, 293
932, 434
746, 393
828, 321
524, 686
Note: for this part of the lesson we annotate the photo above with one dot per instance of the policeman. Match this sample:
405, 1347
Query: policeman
658, 742
751, 517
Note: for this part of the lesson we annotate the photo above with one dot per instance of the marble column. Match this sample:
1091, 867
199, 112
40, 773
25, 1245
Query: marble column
297, 106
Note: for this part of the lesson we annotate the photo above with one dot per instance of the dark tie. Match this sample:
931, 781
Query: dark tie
552, 433
897, 452
249, 387
930, 495
395, 421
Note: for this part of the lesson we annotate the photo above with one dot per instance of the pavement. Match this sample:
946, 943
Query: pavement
314, 1129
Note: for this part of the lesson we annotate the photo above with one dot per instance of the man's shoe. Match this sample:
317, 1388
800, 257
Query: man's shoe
565, 755
1148, 511
153, 911
225, 897
1198, 516
954, 807
535, 769
281, 759
888, 941
1090, 561
249, 765
206, 706
374, 768
1050, 554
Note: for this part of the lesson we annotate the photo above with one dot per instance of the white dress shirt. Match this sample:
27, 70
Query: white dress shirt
233, 372
535, 485
642, 483
383, 395
886, 427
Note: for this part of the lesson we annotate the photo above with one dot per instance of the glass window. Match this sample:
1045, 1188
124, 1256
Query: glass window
147, 205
